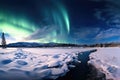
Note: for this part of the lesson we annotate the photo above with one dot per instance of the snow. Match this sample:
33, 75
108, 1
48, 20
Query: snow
107, 60
37, 63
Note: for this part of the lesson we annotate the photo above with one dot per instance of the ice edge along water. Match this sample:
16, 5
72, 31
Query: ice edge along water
33, 64
107, 61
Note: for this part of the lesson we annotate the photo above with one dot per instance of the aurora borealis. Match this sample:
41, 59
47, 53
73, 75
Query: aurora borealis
48, 22
61, 21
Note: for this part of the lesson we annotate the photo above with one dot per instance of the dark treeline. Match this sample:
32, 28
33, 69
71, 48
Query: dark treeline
37, 45
112, 44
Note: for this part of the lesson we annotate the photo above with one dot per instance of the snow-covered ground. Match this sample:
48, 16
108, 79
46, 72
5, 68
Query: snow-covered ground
107, 60
51, 63
37, 63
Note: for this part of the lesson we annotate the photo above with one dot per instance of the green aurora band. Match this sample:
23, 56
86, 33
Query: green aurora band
20, 27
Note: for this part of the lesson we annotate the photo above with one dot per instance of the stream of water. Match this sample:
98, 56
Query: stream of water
81, 71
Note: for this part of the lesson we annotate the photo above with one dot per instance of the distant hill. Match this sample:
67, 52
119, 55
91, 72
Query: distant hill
25, 44
34, 44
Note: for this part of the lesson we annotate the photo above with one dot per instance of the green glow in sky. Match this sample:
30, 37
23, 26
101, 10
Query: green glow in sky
66, 18
20, 27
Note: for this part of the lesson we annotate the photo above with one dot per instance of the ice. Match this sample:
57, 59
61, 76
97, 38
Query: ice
57, 71
108, 61
42, 74
55, 63
37, 63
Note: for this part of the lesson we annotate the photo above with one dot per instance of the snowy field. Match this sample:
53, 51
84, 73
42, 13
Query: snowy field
51, 63
37, 63
107, 60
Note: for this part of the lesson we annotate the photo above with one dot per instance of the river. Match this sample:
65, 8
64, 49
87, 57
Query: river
81, 71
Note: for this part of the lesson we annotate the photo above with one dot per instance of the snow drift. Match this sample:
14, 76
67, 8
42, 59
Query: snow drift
25, 64
107, 61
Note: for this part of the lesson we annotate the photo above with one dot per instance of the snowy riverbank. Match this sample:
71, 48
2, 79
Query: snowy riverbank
52, 63
34, 64
107, 61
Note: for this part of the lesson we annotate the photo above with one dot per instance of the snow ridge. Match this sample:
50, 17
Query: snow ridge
107, 60
24, 65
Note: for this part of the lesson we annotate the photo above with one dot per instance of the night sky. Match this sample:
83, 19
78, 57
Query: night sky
60, 21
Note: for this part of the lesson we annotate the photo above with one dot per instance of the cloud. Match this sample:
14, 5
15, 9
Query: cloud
41, 33
86, 34
96, 35
111, 32
110, 13
108, 35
